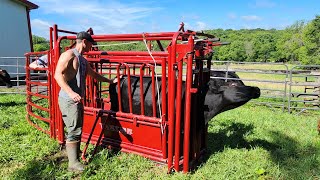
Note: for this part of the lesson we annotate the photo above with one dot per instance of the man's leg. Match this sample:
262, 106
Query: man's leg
73, 155
72, 115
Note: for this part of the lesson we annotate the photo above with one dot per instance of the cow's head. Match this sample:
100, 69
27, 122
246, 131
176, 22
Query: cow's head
223, 95
5, 78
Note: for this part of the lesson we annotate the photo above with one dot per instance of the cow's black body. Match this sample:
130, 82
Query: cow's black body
5, 78
217, 96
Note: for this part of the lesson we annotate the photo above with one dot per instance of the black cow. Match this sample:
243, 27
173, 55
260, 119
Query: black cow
218, 95
5, 78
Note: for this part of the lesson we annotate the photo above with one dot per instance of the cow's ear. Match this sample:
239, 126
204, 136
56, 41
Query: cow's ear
214, 89
212, 86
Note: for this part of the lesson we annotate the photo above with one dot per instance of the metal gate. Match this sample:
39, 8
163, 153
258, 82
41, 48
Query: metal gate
293, 89
165, 135
39, 96
304, 93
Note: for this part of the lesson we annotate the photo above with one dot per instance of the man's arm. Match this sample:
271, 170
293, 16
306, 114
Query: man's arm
39, 63
61, 68
36, 65
97, 76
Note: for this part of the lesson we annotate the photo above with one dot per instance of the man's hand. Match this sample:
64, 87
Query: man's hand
75, 97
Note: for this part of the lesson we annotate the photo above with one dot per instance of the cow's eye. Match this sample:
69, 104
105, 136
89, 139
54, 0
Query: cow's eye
233, 84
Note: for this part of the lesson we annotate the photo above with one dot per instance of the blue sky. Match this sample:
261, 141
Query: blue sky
137, 16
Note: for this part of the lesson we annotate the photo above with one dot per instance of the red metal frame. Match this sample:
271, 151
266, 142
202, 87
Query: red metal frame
158, 137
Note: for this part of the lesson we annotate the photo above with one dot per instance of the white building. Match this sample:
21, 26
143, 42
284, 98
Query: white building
15, 34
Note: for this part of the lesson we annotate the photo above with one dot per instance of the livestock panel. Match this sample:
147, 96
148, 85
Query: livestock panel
304, 92
158, 102
38, 90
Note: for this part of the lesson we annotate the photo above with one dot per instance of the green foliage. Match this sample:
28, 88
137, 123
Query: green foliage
298, 42
311, 35
40, 47
40, 43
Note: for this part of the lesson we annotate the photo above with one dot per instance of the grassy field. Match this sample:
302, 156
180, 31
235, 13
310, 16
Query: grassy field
250, 142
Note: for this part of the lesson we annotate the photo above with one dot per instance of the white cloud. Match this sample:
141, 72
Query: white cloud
103, 16
196, 26
251, 18
40, 27
201, 25
263, 4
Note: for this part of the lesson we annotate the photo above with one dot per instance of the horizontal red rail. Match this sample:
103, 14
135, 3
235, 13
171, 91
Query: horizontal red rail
126, 115
39, 117
36, 126
37, 83
125, 60
128, 53
37, 95
38, 107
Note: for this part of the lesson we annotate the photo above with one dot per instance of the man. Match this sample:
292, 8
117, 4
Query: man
41, 62
70, 75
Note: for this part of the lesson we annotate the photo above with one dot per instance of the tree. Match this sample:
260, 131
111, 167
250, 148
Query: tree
264, 45
40, 43
311, 37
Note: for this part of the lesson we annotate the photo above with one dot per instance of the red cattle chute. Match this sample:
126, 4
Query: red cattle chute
164, 136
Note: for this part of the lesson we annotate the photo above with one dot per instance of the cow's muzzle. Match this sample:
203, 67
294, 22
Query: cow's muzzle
255, 92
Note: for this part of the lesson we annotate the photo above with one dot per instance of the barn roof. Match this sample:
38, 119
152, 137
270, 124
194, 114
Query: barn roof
28, 4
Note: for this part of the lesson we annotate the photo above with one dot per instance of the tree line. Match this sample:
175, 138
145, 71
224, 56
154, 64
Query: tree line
299, 42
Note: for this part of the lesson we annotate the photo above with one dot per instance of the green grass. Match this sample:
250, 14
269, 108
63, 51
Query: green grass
250, 142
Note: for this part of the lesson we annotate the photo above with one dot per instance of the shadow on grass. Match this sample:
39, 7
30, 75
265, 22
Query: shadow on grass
54, 166
47, 167
294, 159
8, 104
233, 136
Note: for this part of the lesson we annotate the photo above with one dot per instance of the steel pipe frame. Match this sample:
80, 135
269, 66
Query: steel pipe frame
30, 104
171, 95
164, 58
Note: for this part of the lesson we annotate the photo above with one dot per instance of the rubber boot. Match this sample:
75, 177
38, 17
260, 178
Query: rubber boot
72, 151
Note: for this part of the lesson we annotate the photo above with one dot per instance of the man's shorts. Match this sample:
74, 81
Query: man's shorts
72, 115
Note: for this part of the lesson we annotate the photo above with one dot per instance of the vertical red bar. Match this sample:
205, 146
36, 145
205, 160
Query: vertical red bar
186, 144
164, 109
149, 45
141, 88
50, 39
129, 88
119, 88
170, 108
60, 130
171, 94
178, 118
52, 131
50, 74
28, 99
134, 69
100, 88
154, 102
109, 75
